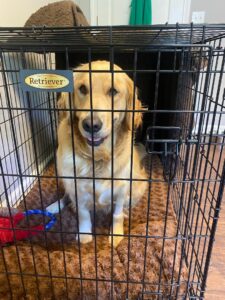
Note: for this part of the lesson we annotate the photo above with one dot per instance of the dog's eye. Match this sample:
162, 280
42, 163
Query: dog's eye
112, 91
83, 89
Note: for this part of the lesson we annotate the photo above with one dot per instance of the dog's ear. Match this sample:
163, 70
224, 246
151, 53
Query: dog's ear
63, 103
133, 103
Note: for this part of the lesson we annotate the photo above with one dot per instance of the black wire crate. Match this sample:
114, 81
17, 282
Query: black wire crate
111, 190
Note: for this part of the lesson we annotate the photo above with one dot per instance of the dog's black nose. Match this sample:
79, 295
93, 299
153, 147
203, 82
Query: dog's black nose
89, 126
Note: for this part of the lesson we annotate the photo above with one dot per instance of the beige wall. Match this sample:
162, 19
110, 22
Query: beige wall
16, 12
214, 10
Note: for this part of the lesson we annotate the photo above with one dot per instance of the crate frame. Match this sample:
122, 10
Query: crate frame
206, 40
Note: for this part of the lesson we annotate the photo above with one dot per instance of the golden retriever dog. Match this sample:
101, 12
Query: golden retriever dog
85, 138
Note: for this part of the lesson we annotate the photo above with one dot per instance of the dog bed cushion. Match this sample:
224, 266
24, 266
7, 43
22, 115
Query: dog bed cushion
51, 265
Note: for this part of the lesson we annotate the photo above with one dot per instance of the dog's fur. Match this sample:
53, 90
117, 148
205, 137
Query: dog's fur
80, 155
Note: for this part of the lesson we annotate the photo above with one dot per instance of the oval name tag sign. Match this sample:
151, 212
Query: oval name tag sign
47, 80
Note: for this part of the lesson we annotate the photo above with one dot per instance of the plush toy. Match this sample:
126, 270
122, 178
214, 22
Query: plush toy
10, 233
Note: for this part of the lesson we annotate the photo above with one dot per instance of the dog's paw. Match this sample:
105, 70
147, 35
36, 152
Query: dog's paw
105, 198
72, 206
84, 238
117, 229
115, 240
55, 207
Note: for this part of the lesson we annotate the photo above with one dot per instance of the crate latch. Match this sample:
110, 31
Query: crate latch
165, 141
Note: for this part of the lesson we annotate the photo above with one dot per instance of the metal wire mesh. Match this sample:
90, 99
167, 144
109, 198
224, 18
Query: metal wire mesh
180, 72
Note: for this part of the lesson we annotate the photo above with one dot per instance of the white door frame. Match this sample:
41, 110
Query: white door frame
93, 12
179, 11
100, 12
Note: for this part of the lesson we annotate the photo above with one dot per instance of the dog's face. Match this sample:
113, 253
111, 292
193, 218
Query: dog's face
92, 99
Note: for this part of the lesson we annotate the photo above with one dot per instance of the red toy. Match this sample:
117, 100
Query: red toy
9, 232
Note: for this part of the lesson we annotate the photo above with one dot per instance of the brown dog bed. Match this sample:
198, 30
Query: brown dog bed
53, 267
58, 14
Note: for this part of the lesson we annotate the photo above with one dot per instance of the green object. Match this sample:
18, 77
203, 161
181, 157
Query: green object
141, 12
